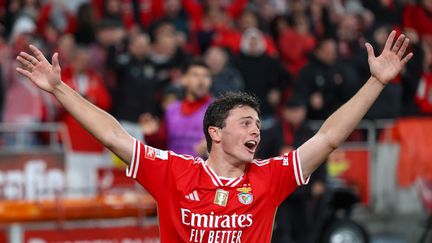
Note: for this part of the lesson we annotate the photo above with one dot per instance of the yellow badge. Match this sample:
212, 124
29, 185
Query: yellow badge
221, 197
244, 189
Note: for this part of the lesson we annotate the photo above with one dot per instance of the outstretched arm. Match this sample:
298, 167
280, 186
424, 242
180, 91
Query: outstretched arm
99, 123
341, 123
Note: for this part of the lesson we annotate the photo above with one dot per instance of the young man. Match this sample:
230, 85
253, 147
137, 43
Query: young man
230, 197
182, 124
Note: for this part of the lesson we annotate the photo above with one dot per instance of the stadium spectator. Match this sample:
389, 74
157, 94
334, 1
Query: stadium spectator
263, 75
136, 83
89, 84
183, 118
225, 77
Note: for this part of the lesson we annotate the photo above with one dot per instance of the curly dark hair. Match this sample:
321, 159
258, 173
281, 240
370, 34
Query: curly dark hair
218, 111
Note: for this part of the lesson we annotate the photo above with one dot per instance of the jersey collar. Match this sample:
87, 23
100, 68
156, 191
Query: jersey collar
228, 182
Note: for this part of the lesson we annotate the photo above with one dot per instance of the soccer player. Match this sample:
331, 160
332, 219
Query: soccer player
230, 197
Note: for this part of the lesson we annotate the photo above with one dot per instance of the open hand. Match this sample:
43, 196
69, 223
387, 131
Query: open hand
390, 62
37, 68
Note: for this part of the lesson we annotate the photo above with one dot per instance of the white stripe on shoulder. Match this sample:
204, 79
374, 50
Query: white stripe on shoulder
186, 157
131, 166
137, 157
294, 160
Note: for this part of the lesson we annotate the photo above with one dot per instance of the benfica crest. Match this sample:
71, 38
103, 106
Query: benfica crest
245, 195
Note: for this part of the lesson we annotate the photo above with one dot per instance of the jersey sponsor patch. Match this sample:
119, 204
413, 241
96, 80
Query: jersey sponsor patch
161, 154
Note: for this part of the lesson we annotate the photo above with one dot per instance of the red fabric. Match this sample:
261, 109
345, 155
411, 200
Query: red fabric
415, 138
417, 18
231, 38
150, 10
294, 50
424, 94
97, 93
44, 17
186, 188
189, 107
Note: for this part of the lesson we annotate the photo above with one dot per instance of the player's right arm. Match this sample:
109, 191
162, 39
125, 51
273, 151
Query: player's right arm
96, 121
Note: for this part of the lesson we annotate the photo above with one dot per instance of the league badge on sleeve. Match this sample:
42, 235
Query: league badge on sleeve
221, 197
150, 153
245, 195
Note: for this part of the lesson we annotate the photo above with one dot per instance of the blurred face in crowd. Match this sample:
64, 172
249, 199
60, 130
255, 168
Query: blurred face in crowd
196, 82
81, 59
166, 38
247, 20
172, 7
427, 4
113, 7
139, 46
216, 59
327, 52
294, 115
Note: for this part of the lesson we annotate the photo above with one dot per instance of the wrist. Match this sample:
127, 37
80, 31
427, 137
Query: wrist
58, 89
376, 80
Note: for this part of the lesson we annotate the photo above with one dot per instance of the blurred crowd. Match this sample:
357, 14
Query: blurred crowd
301, 58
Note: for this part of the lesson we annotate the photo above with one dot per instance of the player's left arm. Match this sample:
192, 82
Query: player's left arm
341, 123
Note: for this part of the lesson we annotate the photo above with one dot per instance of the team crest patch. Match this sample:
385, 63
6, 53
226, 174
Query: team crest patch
245, 198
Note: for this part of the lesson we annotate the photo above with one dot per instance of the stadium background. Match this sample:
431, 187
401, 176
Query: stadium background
57, 184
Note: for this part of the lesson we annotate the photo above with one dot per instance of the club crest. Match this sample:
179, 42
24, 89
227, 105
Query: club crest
245, 198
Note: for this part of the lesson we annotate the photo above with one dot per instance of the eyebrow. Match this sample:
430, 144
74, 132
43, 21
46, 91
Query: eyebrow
251, 118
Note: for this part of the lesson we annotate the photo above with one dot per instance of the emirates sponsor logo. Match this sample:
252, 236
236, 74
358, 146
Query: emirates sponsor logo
215, 221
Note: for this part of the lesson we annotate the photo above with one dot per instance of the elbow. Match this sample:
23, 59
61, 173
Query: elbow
332, 142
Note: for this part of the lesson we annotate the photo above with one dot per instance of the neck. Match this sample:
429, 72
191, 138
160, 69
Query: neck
224, 167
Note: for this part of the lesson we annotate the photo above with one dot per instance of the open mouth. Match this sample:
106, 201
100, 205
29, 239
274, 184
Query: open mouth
251, 145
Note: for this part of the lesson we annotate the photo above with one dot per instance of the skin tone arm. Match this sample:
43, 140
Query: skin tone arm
341, 123
99, 123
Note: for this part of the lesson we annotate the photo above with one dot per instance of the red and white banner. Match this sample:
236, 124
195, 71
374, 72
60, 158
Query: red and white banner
31, 176
129, 234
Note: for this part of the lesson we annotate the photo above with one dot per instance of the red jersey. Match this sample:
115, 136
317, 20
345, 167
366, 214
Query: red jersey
196, 205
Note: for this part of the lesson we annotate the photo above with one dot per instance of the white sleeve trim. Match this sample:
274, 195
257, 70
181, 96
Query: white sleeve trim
298, 173
132, 169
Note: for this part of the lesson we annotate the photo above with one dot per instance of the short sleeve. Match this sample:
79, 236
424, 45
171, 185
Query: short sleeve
149, 167
286, 175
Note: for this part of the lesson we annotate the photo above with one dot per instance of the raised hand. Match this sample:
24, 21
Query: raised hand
37, 68
390, 62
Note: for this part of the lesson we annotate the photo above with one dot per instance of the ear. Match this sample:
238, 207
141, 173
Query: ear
215, 134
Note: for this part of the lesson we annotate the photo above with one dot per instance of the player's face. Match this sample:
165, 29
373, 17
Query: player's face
241, 134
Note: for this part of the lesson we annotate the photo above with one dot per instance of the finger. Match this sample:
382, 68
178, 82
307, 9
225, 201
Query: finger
24, 72
397, 45
38, 54
403, 48
29, 57
406, 58
24, 62
55, 61
389, 41
370, 50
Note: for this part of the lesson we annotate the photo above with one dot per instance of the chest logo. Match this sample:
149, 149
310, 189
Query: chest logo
245, 196
221, 197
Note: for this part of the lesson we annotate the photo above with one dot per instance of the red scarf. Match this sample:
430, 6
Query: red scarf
189, 107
